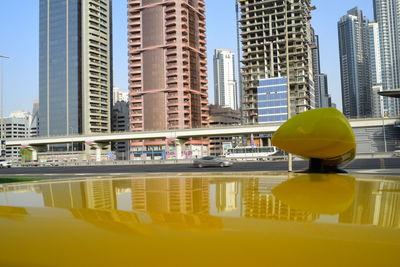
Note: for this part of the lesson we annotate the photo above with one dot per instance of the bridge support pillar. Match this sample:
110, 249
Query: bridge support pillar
180, 144
96, 146
34, 153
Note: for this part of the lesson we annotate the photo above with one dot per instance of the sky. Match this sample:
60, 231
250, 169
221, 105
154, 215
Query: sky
19, 40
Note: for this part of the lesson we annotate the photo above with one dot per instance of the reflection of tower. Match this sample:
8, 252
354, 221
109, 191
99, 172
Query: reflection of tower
100, 195
376, 203
171, 195
175, 202
92, 194
112, 220
226, 196
261, 204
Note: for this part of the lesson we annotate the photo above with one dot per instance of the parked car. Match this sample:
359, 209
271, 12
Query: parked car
212, 161
5, 164
396, 153
51, 162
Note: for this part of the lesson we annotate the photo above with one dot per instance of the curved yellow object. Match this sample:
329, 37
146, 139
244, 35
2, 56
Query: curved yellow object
322, 133
318, 193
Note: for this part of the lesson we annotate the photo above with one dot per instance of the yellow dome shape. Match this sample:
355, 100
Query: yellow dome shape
322, 133
318, 193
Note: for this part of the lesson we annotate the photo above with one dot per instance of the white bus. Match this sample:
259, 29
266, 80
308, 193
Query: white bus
250, 152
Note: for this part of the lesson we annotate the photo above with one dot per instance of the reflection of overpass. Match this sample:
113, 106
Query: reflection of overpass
390, 93
180, 136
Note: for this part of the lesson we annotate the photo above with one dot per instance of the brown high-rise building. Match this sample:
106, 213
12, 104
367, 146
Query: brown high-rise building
167, 64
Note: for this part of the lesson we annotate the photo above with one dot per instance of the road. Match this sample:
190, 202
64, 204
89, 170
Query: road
375, 166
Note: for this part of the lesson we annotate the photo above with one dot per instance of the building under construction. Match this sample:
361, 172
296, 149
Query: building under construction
276, 40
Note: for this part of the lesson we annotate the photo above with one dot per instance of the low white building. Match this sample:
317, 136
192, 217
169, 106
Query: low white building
17, 125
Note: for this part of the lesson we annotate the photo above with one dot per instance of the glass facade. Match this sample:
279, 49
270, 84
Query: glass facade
59, 83
272, 100
75, 67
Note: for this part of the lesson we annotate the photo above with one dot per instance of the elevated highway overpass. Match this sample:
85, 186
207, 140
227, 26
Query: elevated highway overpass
99, 140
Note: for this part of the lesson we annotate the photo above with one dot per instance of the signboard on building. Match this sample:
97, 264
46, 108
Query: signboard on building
226, 146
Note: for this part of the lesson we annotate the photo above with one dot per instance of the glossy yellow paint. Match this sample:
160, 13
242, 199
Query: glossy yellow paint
318, 193
322, 133
202, 220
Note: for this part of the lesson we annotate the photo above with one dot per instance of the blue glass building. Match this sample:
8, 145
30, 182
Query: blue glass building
75, 67
272, 100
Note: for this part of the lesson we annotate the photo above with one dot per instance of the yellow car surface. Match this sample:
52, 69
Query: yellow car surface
224, 219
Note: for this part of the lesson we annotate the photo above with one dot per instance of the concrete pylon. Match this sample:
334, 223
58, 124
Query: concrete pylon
34, 150
98, 146
179, 143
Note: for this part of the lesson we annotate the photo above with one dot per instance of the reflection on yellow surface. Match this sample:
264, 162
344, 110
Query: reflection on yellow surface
226, 196
169, 223
375, 203
261, 204
12, 213
317, 193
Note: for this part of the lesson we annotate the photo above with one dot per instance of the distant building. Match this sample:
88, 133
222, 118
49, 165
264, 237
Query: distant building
17, 125
375, 67
34, 124
119, 95
120, 123
322, 97
225, 88
324, 100
219, 117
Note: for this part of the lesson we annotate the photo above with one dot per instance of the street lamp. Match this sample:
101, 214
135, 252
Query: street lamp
290, 162
2, 136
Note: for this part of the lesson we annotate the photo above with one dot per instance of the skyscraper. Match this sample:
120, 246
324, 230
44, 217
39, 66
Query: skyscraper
322, 97
167, 70
375, 68
167, 64
224, 79
276, 38
387, 15
75, 72
354, 64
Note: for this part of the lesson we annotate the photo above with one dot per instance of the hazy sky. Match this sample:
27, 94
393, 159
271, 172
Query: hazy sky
19, 39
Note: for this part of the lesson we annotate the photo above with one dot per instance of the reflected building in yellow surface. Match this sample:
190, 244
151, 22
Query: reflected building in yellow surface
227, 196
376, 203
180, 195
259, 203
94, 194
175, 202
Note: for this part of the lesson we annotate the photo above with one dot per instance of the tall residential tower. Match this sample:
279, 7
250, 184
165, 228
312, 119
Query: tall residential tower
387, 15
354, 64
167, 64
224, 79
75, 71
